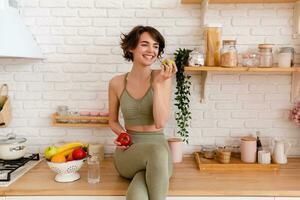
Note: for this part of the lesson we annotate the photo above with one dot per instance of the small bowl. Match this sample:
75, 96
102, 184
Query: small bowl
67, 171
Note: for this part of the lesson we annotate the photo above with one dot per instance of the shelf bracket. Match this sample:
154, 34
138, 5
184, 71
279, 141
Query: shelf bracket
295, 93
203, 83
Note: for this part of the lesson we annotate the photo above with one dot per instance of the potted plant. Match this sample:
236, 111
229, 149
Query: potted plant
182, 94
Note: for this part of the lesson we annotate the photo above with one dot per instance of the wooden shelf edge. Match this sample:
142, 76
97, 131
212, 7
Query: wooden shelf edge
237, 1
79, 125
56, 116
242, 69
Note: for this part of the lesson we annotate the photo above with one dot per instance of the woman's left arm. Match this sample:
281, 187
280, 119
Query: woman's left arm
162, 86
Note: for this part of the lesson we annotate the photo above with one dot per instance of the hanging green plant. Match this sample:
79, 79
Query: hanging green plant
182, 94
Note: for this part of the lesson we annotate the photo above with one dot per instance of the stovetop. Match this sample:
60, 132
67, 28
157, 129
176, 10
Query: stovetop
11, 170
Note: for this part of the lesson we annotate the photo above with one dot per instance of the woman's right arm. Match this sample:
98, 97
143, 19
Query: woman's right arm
113, 105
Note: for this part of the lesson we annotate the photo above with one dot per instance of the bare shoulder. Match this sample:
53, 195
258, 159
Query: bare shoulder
117, 81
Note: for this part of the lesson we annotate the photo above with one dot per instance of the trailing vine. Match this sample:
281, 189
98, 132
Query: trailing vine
182, 94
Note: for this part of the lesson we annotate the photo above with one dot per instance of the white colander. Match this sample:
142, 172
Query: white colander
67, 171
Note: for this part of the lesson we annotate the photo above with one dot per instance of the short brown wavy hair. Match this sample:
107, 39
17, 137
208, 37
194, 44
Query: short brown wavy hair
130, 41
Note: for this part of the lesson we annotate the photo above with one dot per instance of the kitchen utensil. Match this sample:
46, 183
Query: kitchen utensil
12, 148
248, 149
67, 171
280, 151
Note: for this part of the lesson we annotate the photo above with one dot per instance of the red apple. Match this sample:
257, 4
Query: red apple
78, 154
124, 138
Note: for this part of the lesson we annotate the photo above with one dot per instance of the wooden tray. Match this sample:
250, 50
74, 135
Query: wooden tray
79, 121
205, 164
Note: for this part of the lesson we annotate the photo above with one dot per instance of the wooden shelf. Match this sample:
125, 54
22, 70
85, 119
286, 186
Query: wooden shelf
203, 70
237, 1
242, 69
79, 121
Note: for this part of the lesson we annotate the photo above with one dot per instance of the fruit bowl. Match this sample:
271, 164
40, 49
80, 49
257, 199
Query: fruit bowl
67, 171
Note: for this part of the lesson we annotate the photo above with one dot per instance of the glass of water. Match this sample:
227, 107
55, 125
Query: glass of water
93, 169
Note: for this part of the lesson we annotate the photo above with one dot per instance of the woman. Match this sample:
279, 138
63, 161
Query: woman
144, 97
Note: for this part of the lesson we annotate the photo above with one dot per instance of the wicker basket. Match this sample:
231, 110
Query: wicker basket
5, 112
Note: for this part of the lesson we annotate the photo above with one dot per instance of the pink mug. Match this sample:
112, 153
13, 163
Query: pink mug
248, 149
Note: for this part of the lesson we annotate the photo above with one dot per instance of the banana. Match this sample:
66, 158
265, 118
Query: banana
66, 152
69, 146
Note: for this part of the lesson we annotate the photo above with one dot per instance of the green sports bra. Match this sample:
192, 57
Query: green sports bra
137, 111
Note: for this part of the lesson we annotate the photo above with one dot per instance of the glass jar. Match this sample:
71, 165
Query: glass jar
229, 56
196, 58
62, 111
251, 59
286, 57
212, 37
208, 152
74, 114
266, 55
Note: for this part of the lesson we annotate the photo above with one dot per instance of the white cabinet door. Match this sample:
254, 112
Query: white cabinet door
2, 198
220, 198
65, 198
287, 198
123, 198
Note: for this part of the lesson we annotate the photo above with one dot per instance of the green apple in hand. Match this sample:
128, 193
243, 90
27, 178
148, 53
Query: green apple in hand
50, 151
168, 62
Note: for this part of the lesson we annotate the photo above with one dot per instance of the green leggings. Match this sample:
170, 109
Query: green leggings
148, 163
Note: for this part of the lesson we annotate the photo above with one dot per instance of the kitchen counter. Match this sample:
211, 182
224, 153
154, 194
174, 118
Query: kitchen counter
187, 180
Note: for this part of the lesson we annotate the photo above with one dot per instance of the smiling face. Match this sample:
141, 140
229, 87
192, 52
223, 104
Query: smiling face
146, 51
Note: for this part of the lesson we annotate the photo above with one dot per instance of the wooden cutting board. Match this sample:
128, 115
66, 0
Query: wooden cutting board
205, 164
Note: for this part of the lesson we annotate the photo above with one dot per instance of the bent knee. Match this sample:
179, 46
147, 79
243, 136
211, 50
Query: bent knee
158, 150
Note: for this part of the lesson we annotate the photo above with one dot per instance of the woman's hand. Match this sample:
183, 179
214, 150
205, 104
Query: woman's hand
168, 69
119, 146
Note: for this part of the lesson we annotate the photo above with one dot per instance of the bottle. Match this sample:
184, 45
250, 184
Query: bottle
93, 169
229, 56
258, 143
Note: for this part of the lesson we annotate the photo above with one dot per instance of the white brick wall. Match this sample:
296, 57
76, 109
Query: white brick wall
80, 42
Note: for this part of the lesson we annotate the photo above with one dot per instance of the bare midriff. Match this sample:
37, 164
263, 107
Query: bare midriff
144, 128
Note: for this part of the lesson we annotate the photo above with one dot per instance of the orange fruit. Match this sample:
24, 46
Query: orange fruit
69, 157
59, 158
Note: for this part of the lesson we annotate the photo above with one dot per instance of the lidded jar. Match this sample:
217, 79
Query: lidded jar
248, 149
196, 58
212, 37
229, 56
266, 55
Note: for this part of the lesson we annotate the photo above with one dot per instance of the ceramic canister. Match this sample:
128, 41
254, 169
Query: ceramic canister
248, 149
175, 145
